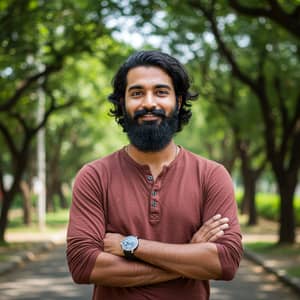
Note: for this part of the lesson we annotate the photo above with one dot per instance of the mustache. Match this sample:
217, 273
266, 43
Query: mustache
144, 111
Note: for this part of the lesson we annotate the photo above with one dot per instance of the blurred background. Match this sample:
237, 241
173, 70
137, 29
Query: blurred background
57, 59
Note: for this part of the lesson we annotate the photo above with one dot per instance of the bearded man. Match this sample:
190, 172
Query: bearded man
152, 220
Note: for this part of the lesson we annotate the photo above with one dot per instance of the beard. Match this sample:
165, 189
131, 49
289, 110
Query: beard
151, 136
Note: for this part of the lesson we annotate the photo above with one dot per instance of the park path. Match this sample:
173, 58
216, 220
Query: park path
48, 278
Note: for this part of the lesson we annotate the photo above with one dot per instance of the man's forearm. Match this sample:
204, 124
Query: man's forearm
112, 270
197, 261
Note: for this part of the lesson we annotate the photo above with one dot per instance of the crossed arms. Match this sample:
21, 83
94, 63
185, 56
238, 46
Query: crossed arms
96, 257
160, 262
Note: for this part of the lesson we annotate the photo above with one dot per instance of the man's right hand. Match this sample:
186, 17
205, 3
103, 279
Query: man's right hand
211, 230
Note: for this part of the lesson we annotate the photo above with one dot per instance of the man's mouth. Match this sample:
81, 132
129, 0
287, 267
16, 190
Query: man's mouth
149, 115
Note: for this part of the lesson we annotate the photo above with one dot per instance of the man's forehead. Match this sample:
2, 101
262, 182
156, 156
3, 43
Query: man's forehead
142, 76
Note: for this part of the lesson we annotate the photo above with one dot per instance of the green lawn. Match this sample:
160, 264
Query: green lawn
54, 221
283, 253
274, 249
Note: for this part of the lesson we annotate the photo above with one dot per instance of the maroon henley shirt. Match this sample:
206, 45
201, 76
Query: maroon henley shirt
116, 194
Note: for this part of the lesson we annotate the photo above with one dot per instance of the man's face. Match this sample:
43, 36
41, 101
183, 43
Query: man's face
151, 113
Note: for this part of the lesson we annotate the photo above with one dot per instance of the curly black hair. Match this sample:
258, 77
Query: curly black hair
170, 65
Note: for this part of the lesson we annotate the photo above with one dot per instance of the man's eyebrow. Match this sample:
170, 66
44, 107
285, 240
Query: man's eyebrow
135, 87
157, 86
164, 86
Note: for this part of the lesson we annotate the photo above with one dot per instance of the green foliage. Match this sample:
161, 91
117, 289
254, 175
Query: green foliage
60, 50
268, 206
83, 132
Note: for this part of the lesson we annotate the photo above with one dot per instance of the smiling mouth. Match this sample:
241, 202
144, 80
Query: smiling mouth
149, 117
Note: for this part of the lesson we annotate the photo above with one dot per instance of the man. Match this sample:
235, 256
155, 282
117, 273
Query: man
152, 220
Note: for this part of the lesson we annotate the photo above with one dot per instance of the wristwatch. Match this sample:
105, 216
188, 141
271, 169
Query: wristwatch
129, 244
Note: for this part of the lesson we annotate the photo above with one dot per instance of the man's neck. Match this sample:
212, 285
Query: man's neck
155, 160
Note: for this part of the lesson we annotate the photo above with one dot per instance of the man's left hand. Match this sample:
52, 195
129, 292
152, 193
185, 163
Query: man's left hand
112, 243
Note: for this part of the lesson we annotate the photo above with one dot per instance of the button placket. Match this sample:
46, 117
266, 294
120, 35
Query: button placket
155, 207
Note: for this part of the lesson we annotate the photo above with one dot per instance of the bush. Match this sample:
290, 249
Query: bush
268, 205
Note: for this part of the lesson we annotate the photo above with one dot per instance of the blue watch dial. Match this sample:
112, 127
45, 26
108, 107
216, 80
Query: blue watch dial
130, 243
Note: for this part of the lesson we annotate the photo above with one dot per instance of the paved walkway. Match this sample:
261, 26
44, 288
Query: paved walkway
48, 278
45, 278
252, 282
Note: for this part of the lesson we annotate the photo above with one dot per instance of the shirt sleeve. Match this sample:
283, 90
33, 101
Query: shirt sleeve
86, 228
220, 199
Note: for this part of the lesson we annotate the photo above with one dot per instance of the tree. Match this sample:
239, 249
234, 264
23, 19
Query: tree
38, 39
89, 132
261, 55
282, 149
227, 99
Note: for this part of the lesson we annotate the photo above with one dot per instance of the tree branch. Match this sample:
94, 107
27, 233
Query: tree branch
53, 107
9, 139
289, 21
282, 106
11, 8
249, 11
2, 189
294, 162
20, 119
296, 118
257, 86
223, 48
24, 85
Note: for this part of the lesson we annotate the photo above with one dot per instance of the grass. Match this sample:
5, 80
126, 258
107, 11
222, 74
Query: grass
54, 221
273, 249
16, 246
287, 255
294, 271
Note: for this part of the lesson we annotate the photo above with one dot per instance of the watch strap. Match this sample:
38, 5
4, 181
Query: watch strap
129, 255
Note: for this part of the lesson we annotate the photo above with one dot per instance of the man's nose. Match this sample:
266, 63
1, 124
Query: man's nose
149, 101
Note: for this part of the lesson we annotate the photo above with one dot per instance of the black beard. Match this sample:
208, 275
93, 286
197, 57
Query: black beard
151, 136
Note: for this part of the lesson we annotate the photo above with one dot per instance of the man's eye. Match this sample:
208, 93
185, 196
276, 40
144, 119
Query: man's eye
162, 92
136, 93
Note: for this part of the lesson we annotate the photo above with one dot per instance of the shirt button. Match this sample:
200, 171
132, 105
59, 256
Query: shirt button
153, 203
154, 193
150, 178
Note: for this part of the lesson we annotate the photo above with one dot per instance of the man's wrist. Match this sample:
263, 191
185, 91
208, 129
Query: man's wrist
128, 245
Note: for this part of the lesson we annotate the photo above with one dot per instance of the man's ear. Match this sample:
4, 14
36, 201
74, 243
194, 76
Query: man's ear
179, 101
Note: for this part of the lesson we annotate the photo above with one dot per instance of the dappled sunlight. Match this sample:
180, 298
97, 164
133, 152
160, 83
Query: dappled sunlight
48, 279
251, 282
34, 287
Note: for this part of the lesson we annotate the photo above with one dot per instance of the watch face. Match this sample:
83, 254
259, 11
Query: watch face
129, 243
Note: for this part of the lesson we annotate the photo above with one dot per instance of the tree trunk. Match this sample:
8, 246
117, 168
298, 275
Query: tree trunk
8, 197
248, 203
252, 207
250, 177
6, 203
287, 186
62, 199
50, 207
25, 189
